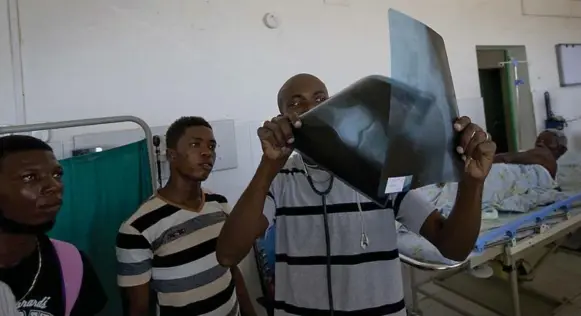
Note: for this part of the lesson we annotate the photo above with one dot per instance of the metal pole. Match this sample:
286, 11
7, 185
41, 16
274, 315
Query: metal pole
516, 85
513, 279
517, 81
415, 300
430, 266
91, 122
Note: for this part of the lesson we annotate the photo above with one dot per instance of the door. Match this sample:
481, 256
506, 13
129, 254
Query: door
491, 91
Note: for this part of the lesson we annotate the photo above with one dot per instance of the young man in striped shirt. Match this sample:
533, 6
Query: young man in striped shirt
169, 244
365, 268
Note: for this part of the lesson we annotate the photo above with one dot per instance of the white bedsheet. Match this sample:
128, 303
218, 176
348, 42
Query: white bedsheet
419, 248
508, 188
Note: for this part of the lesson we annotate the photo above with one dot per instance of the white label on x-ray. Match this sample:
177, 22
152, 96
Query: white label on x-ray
395, 184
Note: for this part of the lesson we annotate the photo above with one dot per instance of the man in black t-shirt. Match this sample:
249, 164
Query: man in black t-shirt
30, 198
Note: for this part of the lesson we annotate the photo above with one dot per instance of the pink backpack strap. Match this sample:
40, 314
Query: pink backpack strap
71, 270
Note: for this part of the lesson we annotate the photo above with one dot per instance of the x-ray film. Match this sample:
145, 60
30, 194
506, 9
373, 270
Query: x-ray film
419, 59
383, 135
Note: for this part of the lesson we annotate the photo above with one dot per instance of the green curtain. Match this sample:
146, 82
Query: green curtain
101, 190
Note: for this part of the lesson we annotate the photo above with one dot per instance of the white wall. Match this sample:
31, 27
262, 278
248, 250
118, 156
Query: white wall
162, 59
215, 58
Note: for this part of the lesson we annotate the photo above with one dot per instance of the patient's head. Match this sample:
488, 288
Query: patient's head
191, 148
30, 185
553, 139
301, 93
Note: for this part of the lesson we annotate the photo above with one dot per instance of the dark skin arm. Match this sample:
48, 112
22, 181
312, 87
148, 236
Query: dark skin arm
455, 236
246, 222
529, 157
136, 300
244, 300
536, 156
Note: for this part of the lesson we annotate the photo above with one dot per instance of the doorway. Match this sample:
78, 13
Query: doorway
491, 81
509, 120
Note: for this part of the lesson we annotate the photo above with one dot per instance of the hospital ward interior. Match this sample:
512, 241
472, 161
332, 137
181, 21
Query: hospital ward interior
100, 82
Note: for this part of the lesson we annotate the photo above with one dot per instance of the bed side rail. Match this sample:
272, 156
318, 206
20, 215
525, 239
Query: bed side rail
430, 266
510, 230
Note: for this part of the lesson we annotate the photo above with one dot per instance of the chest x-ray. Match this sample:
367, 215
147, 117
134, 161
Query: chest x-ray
383, 135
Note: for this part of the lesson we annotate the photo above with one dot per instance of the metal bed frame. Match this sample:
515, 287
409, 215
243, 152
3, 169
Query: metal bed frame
509, 242
264, 273
90, 122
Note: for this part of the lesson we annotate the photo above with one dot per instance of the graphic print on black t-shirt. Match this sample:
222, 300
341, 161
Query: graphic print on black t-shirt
46, 298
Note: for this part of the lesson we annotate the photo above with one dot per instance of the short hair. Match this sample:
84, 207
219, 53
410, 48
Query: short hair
12, 144
561, 137
289, 82
177, 129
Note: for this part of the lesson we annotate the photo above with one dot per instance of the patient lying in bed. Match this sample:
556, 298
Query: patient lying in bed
518, 182
550, 146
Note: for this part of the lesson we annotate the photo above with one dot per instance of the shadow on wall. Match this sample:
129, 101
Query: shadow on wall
575, 143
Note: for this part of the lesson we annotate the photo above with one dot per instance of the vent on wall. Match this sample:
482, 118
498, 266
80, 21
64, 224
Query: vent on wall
552, 8
343, 3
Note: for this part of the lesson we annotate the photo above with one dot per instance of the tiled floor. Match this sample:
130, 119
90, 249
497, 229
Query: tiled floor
559, 278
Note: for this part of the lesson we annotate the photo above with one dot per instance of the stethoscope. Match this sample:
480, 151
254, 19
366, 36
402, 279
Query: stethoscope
323, 194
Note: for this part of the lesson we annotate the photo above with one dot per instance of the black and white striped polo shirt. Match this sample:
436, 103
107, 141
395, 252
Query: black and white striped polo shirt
364, 281
174, 249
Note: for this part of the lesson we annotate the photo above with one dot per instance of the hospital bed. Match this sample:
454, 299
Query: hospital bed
508, 241
506, 236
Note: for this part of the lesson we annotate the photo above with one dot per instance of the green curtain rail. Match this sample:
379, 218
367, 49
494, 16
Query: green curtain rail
90, 122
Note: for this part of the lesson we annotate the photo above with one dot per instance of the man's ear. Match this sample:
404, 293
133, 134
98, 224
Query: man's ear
170, 154
563, 150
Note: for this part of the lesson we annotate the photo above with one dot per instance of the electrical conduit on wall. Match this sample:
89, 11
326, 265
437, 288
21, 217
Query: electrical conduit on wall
512, 110
15, 50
